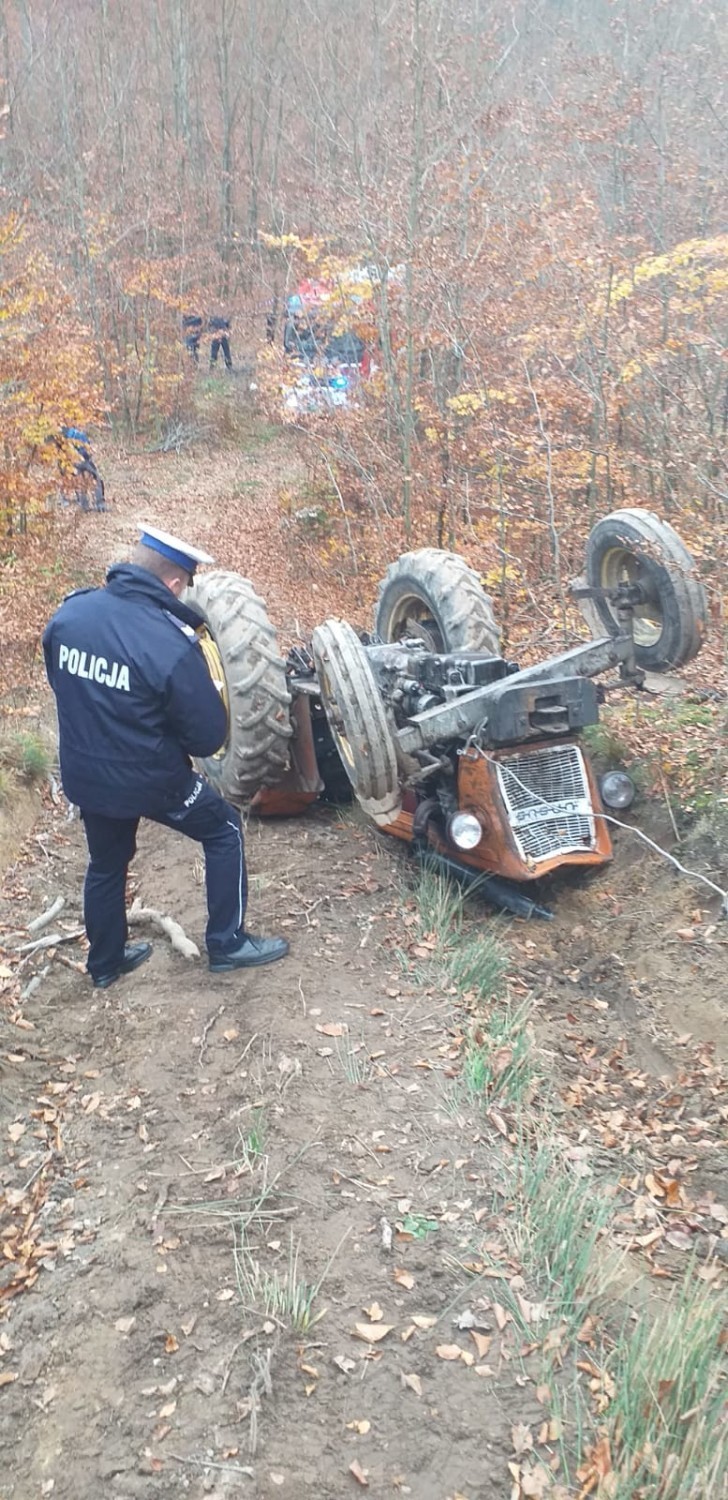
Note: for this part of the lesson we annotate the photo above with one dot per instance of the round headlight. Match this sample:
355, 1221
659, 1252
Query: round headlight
617, 789
464, 830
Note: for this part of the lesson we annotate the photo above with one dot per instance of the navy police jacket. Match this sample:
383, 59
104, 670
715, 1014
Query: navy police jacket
135, 698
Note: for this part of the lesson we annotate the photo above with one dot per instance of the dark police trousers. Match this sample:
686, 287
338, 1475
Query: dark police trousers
218, 343
204, 816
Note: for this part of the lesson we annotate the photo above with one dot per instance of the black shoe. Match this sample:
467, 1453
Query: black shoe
134, 955
252, 952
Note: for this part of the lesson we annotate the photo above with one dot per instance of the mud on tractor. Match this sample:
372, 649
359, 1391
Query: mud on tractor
478, 764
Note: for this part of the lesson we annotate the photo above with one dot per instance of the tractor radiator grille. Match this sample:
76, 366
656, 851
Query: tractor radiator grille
555, 777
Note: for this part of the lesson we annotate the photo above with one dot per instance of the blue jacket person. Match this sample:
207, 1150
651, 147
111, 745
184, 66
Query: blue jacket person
135, 703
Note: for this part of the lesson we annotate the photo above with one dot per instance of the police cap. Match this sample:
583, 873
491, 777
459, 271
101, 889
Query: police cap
173, 548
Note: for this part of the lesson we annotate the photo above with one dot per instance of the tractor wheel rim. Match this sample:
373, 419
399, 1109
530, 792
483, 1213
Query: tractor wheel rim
336, 725
618, 565
413, 615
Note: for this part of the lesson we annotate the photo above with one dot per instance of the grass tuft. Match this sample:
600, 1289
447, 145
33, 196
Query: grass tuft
286, 1297
498, 1057
563, 1220
355, 1061
26, 755
466, 958
251, 1143
666, 1423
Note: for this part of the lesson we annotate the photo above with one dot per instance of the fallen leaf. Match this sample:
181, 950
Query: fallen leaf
332, 1028
680, 1239
226, 1295
167, 1409
484, 1370
231, 1034
344, 1364
497, 1120
374, 1312
124, 1325
170, 1344
421, 1321
405, 1279
8, 1377
501, 1059
448, 1351
482, 1343
359, 1474
362, 1427
413, 1383
521, 1438
535, 1482
371, 1333
501, 1316
15, 1131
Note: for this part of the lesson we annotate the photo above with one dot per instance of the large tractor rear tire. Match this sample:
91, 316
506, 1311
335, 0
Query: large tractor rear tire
669, 628
436, 596
357, 719
253, 684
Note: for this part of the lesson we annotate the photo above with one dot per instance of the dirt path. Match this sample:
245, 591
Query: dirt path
182, 1151
294, 1099
236, 501
307, 1110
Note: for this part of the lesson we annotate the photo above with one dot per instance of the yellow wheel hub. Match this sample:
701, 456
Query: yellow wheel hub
618, 566
213, 659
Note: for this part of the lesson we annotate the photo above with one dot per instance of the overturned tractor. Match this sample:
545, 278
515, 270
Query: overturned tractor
476, 763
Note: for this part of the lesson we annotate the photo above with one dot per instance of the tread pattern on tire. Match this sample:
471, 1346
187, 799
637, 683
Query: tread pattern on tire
462, 609
353, 702
258, 693
685, 612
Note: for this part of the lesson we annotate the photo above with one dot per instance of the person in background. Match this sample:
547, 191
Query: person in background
220, 328
87, 479
135, 703
192, 330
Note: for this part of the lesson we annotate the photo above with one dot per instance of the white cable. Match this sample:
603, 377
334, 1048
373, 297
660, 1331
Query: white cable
553, 817
691, 874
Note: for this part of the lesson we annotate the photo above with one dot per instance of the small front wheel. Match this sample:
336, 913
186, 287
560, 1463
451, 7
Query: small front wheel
357, 719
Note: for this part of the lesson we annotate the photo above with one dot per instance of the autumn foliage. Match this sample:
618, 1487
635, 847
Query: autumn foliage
547, 186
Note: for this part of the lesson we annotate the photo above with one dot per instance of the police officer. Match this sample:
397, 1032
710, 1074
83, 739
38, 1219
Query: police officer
135, 702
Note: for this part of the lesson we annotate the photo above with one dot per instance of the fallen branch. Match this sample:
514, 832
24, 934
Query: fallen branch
207, 1028
38, 923
35, 983
52, 941
176, 934
206, 1463
70, 963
